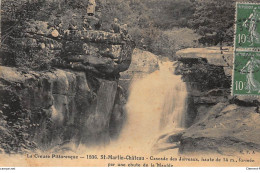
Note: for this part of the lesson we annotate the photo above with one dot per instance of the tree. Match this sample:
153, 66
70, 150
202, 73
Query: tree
214, 21
167, 14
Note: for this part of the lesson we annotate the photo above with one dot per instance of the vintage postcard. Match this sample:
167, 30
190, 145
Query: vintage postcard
129, 83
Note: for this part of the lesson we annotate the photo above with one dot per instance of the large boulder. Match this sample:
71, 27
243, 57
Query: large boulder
143, 63
41, 45
227, 129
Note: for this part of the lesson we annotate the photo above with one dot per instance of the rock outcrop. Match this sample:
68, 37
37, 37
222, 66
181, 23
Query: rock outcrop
66, 105
143, 63
206, 84
226, 129
217, 123
212, 55
74, 95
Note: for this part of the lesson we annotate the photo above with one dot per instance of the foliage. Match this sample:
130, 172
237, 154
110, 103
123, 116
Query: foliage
170, 41
214, 21
168, 14
158, 26
19, 16
150, 22
14, 125
206, 75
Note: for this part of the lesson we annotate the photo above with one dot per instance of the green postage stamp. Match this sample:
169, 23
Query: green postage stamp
246, 70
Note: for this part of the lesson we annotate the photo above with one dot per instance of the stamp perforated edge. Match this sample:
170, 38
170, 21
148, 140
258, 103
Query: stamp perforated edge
234, 52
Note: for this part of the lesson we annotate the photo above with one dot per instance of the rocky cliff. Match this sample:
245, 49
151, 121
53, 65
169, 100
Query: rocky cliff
207, 74
216, 122
74, 95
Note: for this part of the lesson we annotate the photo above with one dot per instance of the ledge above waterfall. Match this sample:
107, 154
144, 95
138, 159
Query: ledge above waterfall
211, 55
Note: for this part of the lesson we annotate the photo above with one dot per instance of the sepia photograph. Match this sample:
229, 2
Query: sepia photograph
130, 83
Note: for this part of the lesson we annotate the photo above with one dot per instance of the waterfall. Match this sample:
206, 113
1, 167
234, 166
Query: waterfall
156, 105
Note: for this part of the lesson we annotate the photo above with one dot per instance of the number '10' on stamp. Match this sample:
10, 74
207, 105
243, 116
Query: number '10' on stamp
246, 69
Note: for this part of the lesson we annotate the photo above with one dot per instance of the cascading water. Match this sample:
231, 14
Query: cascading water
156, 105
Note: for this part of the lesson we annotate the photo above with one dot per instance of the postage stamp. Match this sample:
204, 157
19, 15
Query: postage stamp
246, 75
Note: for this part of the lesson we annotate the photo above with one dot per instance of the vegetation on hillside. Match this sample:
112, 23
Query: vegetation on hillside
161, 27
153, 24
